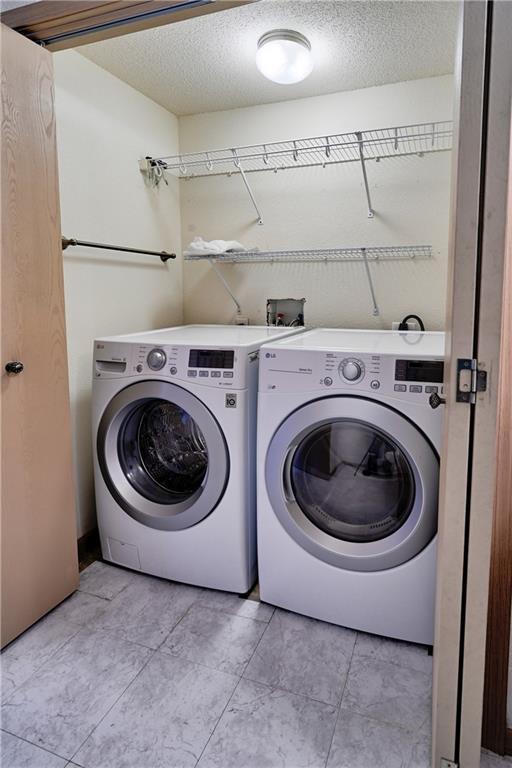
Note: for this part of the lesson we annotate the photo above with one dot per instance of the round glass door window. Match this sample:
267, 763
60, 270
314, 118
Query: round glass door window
352, 481
162, 452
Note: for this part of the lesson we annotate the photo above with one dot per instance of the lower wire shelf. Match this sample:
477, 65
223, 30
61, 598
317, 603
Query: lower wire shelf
365, 255
369, 253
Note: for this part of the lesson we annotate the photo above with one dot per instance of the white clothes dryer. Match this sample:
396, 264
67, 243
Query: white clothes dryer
174, 440
348, 471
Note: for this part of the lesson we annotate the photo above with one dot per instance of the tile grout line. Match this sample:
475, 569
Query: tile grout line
153, 652
257, 646
230, 613
390, 723
235, 688
283, 689
169, 633
218, 721
341, 699
33, 744
79, 628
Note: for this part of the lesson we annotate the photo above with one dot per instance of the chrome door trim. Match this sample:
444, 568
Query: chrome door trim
420, 526
169, 517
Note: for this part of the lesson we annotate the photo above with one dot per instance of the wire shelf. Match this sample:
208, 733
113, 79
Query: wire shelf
380, 253
318, 151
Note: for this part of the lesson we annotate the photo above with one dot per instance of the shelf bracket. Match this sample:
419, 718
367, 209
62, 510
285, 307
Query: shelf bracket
376, 310
226, 286
359, 138
238, 166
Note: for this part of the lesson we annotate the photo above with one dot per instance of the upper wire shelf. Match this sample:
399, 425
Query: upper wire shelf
377, 253
318, 151
331, 149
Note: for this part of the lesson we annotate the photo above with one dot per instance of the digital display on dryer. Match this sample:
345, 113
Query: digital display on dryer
211, 358
430, 371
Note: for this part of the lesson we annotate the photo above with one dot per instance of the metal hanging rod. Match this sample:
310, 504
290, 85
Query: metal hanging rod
376, 253
333, 149
163, 255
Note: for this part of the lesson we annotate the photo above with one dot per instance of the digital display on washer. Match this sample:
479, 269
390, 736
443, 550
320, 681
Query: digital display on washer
430, 371
211, 358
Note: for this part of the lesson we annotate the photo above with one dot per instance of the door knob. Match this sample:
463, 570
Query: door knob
14, 366
435, 401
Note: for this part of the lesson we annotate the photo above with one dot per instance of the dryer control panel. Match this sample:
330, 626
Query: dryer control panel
291, 370
224, 368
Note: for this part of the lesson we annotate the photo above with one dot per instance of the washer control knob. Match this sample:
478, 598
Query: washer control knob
351, 370
173, 370
157, 359
327, 381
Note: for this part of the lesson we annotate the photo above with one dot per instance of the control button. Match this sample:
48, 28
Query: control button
327, 381
139, 368
375, 384
215, 374
191, 374
351, 370
428, 390
400, 388
157, 359
202, 374
228, 374
415, 388
173, 370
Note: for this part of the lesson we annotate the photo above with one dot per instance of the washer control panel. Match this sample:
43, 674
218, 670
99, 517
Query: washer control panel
225, 368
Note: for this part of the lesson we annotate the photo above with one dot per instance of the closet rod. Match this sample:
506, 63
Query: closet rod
163, 255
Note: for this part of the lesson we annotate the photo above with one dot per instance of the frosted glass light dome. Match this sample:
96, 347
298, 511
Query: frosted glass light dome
284, 56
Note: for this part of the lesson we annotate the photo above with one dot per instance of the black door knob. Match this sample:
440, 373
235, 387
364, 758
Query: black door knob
14, 366
435, 401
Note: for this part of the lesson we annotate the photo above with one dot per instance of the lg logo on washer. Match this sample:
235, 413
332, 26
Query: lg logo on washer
230, 400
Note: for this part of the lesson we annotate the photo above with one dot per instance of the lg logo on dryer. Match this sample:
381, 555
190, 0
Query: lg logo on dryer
230, 400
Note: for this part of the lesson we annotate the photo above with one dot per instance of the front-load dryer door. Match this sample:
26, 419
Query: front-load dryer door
162, 455
354, 482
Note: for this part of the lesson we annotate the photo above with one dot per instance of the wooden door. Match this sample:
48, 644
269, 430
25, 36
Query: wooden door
475, 321
496, 735
39, 559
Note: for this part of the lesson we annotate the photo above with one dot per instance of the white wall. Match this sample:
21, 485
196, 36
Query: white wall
318, 207
103, 127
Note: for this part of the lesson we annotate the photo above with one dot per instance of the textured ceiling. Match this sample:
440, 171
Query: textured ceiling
208, 63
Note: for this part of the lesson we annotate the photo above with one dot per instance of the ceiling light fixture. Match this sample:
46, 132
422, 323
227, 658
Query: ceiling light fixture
284, 56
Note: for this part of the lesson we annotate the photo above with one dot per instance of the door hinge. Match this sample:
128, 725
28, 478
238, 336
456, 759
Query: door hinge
471, 379
445, 763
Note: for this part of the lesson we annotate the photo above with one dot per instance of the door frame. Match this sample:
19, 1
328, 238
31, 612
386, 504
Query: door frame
474, 323
62, 24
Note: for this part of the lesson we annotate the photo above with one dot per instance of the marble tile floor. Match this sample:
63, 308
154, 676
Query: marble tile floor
136, 672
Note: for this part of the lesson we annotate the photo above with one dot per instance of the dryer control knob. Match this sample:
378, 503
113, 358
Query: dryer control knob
351, 370
157, 359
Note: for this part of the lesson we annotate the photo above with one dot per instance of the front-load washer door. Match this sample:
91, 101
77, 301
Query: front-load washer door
354, 482
162, 455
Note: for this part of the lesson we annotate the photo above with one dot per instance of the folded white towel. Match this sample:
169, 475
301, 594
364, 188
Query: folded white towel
200, 246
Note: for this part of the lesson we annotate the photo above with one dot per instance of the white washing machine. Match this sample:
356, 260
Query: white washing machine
174, 437
348, 469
